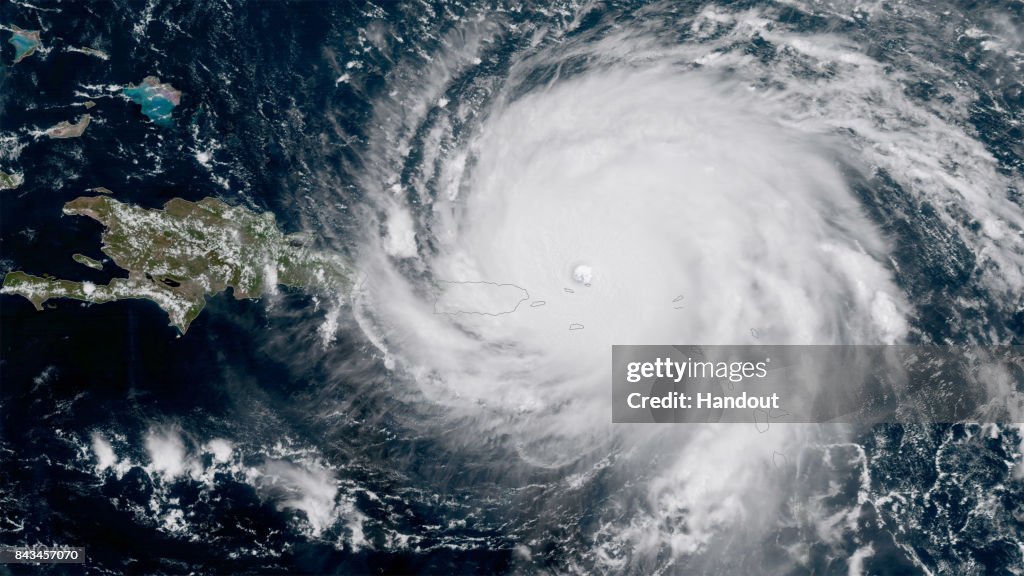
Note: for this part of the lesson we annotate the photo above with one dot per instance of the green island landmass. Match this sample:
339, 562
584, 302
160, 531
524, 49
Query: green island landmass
86, 261
178, 255
10, 181
66, 129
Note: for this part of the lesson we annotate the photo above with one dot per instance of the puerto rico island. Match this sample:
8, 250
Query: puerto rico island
178, 255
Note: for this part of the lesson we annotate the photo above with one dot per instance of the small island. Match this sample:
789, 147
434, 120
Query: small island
25, 42
157, 99
86, 261
178, 255
68, 130
10, 181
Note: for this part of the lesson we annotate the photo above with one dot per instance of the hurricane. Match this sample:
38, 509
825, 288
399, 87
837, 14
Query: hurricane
713, 174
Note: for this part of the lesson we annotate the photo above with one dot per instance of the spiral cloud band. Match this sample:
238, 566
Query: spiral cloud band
698, 215
624, 186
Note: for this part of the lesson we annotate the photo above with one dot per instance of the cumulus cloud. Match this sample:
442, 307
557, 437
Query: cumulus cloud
221, 449
167, 454
309, 489
105, 456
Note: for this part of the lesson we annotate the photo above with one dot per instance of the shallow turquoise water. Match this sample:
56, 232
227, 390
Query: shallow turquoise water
22, 45
154, 103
